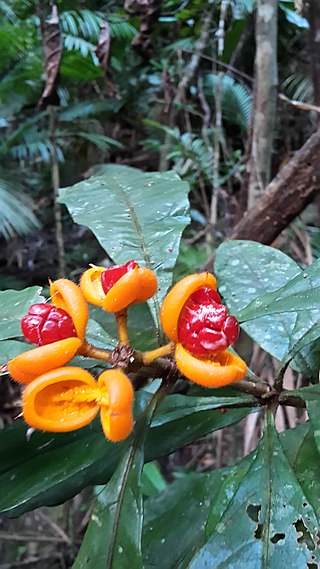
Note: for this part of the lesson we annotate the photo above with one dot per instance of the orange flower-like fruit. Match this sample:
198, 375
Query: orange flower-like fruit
118, 287
68, 398
68, 303
193, 318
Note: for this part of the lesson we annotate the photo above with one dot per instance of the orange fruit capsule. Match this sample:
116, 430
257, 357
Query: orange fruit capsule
176, 299
117, 416
123, 293
90, 284
61, 400
68, 296
224, 368
68, 398
29, 365
128, 284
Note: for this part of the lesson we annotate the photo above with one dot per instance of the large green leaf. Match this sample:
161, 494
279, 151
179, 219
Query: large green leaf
259, 513
300, 293
248, 271
49, 468
113, 536
134, 215
311, 396
14, 305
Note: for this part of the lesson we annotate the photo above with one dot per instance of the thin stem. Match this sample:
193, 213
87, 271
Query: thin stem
55, 178
278, 383
285, 398
90, 351
262, 390
121, 318
167, 350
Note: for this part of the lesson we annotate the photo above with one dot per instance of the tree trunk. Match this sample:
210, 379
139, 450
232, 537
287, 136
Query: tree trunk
296, 184
265, 96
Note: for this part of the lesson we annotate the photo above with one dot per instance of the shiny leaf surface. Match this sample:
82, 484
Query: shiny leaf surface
134, 215
248, 271
14, 304
113, 536
48, 468
263, 512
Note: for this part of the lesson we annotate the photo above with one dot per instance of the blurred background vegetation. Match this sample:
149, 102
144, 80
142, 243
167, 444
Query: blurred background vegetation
155, 85
172, 87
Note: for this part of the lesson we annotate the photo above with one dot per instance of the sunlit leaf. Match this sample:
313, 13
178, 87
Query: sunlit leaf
134, 215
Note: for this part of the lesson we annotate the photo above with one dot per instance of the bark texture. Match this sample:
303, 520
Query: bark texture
297, 183
265, 97
52, 44
149, 12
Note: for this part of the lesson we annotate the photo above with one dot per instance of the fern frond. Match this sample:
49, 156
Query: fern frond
81, 22
100, 140
31, 143
185, 44
236, 98
241, 8
87, 23
79, 44
120, 28
7, 11
85, 109
299, 87
23, 81
16, 217
80, 68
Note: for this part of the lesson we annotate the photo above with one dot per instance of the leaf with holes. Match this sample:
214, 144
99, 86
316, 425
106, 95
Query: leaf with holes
134, 215
260, 513
248, 271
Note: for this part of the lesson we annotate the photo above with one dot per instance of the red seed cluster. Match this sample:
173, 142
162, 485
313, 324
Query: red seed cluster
45, 324
205, 328
110, 276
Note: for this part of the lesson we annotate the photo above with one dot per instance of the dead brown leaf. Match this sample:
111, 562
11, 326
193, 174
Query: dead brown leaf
103, 48
52, 44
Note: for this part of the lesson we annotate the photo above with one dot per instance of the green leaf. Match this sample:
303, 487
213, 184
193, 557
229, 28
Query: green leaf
294, 17
249, 271
311, 396
99, 337
255, 514
141, 328
113, 536
152, 480
13, 306
300, 293
301, 450
9, 349
134, 215
50, 468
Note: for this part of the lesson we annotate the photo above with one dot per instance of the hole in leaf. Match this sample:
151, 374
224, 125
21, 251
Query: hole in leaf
277, 537
312, 566
304, 504
258, 531
303, 534
253, 512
